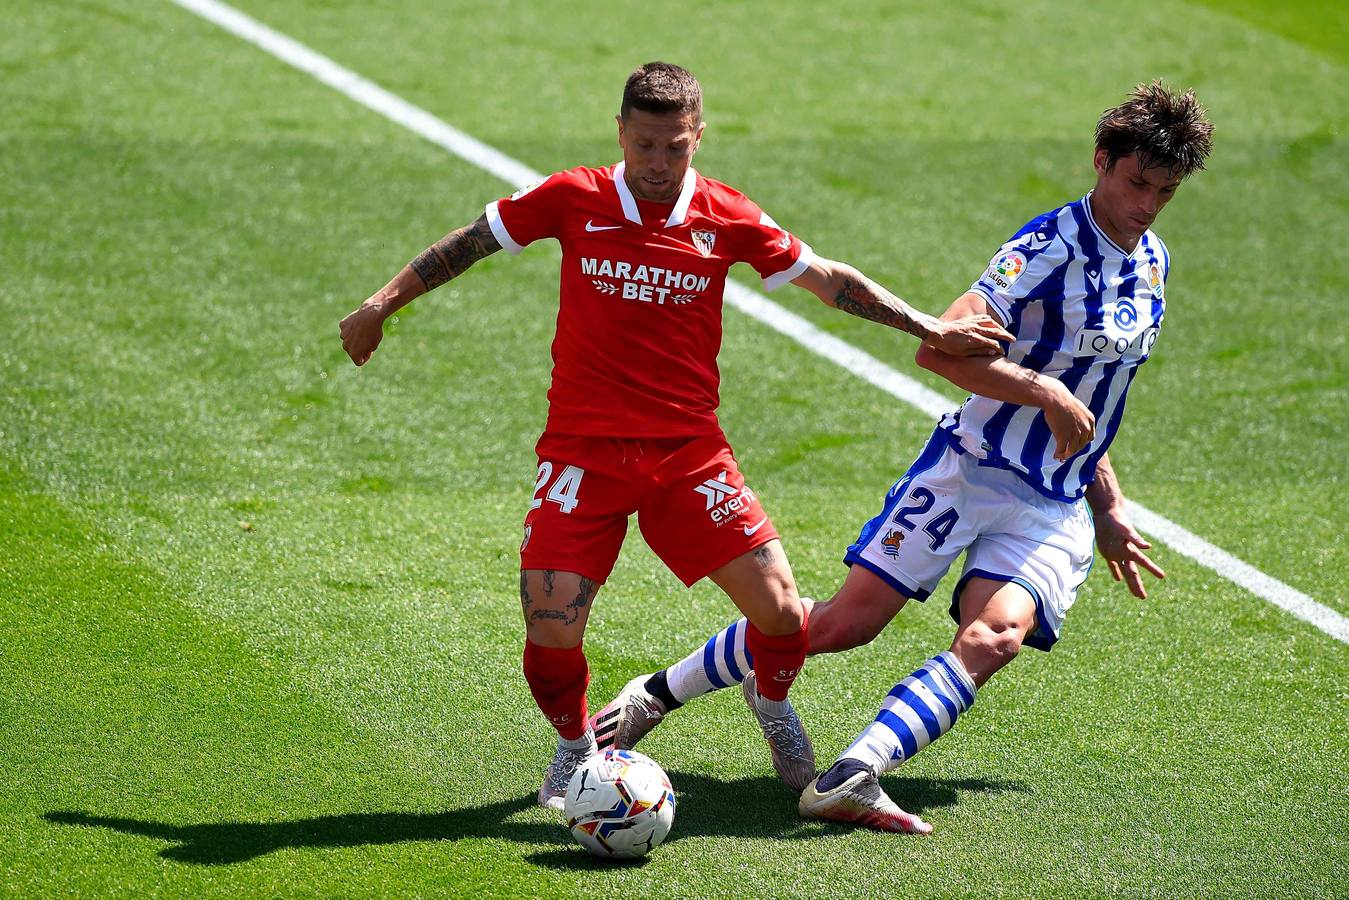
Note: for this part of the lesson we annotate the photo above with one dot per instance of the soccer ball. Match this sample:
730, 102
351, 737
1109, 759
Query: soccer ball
620, 804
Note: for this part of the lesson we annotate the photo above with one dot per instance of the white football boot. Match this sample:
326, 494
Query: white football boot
860, 801
793, 754
627, 718
553, 793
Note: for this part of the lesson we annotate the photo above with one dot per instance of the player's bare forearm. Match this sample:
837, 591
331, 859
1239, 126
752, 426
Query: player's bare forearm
447, 258
855, 294
1104, 493
1070, 421
998, 378
444, 260
1120, 543
841, 286
451, 256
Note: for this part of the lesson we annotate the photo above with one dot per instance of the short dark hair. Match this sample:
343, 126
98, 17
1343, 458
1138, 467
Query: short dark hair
1164, 127
660, 87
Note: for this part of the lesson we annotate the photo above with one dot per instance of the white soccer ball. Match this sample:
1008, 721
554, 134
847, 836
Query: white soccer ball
620, 804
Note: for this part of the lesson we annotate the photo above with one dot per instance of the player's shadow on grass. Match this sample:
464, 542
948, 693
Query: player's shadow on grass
708, 807
223, 843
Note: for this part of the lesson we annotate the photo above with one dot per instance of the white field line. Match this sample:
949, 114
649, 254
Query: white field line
750, 302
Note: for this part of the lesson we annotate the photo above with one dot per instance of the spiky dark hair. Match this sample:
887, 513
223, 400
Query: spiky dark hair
1165, 127
660, 87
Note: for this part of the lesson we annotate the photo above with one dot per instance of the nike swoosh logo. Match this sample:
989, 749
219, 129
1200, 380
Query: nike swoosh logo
591, 226
750, 529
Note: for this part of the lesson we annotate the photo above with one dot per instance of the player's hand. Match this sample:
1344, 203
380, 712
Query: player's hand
1123, 548
1069, 420
969, 336
362, 330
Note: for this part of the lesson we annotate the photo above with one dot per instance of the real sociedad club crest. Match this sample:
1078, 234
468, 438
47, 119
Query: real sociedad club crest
704, 240
1155, 280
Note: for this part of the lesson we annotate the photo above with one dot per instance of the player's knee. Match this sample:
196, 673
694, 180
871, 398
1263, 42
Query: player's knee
786, 619
1004, 646
554, 633
991, 645
784, 613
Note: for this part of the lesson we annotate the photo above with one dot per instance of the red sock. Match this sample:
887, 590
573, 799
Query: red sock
558, 679
777, 660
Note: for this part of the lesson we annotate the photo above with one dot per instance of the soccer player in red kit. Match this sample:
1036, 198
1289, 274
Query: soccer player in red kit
632, 425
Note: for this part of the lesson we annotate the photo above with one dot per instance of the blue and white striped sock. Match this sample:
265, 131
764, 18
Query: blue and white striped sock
721, 662
920, 709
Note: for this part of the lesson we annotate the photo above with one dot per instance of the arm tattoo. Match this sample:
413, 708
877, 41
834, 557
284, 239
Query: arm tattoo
865, 299
454, 253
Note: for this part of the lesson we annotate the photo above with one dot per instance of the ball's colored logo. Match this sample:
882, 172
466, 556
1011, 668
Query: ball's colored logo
1126, 316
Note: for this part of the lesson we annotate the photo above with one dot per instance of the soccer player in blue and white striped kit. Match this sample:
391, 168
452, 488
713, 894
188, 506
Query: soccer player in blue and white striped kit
1003, 479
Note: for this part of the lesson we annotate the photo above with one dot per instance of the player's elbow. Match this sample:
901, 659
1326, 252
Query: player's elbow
825, 279
929, 357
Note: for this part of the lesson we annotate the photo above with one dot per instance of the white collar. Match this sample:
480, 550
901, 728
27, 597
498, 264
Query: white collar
1100, 232
681, 207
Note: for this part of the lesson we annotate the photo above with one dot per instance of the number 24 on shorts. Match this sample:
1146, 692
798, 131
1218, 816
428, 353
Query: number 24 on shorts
938, 528
563, 491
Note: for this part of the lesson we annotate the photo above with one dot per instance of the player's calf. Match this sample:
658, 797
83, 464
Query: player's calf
557, 678
917, 711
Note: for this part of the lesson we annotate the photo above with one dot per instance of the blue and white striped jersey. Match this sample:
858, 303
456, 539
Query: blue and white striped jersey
1083, 311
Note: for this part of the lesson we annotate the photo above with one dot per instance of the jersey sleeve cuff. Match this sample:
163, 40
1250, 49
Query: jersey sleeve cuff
803, 261
499, 229
996, 303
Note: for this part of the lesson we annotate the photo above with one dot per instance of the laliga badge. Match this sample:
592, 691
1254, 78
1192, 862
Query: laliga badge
527, 188
1006, 269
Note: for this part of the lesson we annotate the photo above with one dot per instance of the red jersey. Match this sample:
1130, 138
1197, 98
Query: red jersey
639, 320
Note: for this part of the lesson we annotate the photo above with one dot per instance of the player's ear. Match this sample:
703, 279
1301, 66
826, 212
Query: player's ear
1101, 160
619, 120
698, 136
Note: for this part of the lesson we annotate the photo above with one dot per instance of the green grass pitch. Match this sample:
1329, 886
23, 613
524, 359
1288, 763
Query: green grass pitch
258, 625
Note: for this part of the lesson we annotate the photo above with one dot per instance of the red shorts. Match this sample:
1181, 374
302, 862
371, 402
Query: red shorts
692, 504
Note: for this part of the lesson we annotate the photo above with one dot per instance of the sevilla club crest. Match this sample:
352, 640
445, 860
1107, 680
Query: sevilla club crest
704, 240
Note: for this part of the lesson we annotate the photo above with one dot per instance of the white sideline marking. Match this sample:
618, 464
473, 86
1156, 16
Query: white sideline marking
752, 303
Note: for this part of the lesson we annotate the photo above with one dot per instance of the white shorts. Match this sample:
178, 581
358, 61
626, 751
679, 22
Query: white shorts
946, 503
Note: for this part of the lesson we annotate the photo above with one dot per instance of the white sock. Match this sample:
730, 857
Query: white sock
774, 708
580, 743
919, 709
721, 662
